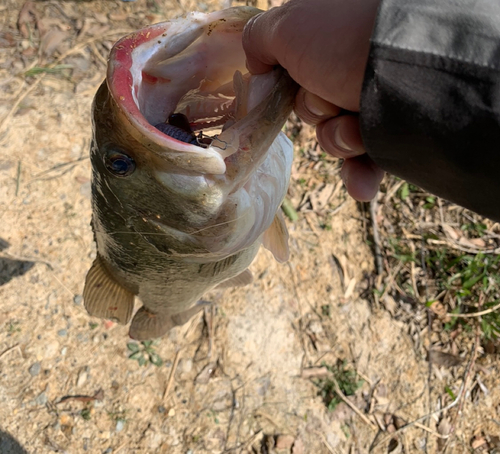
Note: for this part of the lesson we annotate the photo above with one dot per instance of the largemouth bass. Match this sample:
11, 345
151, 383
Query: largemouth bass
189, 169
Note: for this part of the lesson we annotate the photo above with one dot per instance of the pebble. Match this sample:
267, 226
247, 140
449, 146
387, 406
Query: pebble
64, 350
82, 378
62, 332
34, 369
161, 409
78, 299
187, 366
315, 327
86, 189
41, 399
120, 424
51, 349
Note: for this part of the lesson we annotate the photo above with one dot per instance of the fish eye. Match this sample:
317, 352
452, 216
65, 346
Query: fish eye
119, 164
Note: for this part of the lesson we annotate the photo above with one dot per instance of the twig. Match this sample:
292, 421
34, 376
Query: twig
325, 441
18, 177
459, 399
467, 375
475, 314
7, 350
172, 374
376, 236
418, 420
99, 395
56, 167
98, 54
241, 447
351, 405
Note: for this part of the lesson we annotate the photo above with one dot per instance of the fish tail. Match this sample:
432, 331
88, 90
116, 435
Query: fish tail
148, 325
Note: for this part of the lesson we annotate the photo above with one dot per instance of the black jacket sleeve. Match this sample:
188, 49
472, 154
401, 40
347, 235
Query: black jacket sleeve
430, 106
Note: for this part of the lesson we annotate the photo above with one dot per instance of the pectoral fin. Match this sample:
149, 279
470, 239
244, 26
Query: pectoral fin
241, 280
275, 239
104, 298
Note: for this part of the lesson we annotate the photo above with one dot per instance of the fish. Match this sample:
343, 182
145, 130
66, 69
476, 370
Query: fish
189, 169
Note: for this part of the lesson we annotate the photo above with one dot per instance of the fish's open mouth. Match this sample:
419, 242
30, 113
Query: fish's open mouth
193, 69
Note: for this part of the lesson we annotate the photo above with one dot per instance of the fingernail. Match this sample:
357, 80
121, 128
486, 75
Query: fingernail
339, 141
314, 104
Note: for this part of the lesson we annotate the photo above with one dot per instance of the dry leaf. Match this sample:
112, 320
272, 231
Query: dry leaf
438, 309
350, 288
204, 376
314, 372
27, 14
119, 16
319, 199
7, 40
101, 18
298, 447
51, 41
478, 443
443, 359
284, 441
454, 234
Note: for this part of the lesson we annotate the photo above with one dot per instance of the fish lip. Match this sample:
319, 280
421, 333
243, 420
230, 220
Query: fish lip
131, 54
120, 84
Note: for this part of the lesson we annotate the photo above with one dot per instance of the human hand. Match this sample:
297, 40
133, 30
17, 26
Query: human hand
324, 46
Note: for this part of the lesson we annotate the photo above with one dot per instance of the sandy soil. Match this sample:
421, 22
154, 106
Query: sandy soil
249, 390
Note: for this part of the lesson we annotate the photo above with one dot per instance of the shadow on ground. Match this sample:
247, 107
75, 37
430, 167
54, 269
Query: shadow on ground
10, 268
9, 445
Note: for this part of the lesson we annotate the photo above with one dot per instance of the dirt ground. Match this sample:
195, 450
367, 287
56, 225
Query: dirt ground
67, 383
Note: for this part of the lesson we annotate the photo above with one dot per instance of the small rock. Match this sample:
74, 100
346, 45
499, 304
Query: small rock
41, 399
161, 409
315, 327
78, 299
86, 189
120, 424
51, 349
171, 412
187, 365
108, 451
62, 332
64, 350
82, 378
34, 369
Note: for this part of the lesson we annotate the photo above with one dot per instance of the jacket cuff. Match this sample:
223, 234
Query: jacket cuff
430, 104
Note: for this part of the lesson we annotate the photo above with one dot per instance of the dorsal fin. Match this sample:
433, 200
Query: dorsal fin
241, 280
275, 238
104, 297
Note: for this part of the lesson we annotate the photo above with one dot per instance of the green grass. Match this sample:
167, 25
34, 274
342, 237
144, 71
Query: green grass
144, 353
347, 380
424, 260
